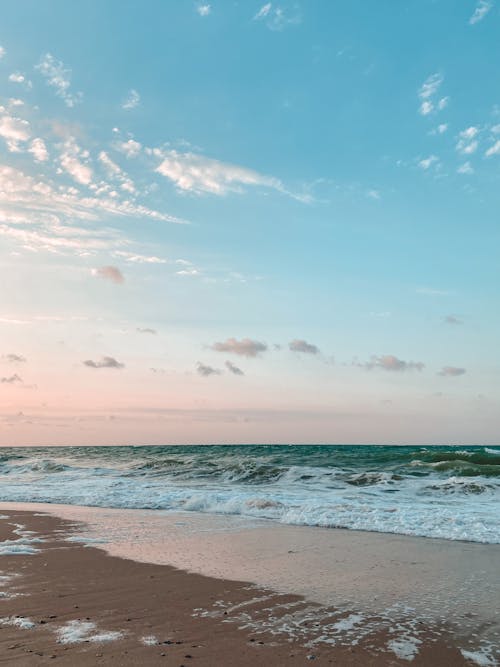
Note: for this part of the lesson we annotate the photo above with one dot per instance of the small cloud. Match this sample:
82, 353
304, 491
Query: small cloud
109, 273
373, 194
427, 162
2, 52
58, 76
105, 362
130, 148
146, 330
298, 345
465, 168
206, 371
427, 92
11, 380
203, 10
14, 358
467, 142
451, 319
493, 150
388, 362
275, 17
244, 347
17, 77
234, 369
482, 8
132, 101
39, 150
451, 371
431, 291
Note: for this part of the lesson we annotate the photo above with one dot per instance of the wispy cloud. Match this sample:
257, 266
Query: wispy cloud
19, 77
110, 273
466, 168
203, 9
452, 371
452, 319
232, 368
75, 162
426, 163
195, 173
494, 149
104, 362
389, 362
276, 17
58, 76
427, 94
299, 345
39, 150
246, 347
12, 358
482, 8
15, 131
206, 371
132, 101
467, 140
2, 52
146, 330
12, 379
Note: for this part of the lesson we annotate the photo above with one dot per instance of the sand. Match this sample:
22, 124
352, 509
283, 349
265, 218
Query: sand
73, 604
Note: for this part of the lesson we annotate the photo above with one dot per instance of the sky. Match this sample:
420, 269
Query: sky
248, 222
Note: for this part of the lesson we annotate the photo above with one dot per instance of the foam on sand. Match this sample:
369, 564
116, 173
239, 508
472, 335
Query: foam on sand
76, 631
18, 622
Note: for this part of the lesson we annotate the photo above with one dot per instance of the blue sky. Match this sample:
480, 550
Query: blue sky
258, 222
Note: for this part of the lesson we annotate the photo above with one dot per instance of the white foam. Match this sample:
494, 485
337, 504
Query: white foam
405, 648
15, 549
482, 658
18, 622
149, 640
76, 631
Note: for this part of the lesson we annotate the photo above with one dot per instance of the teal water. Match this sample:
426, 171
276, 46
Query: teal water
447, 492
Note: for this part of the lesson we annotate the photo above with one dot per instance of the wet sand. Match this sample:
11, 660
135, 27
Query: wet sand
73, 604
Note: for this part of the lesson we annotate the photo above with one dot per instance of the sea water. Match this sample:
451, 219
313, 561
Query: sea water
445, 492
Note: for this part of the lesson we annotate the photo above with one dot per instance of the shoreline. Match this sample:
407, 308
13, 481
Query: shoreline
282, 617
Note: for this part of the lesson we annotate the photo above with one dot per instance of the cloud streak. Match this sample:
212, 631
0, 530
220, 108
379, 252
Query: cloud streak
58, 76
388, 362
452, 371
206, 371
105, 362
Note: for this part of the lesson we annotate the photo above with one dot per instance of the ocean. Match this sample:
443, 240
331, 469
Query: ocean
444, 492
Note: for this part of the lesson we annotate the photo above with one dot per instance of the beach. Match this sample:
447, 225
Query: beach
77, 589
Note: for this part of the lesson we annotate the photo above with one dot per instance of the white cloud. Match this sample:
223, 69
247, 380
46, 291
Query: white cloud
263, 11
58, 76
196, 173
467, 141
203, 10
13, 130
129, 148
17, 77
132, 101
428, 91
276, 18
139, 259
482, 8
71, 161
441, 129
465, 168
116, 172
427, 162
443, 103
493, 150
2, 52
426, 108
39, 150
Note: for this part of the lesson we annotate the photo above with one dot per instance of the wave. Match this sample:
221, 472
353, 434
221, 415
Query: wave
453, 493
